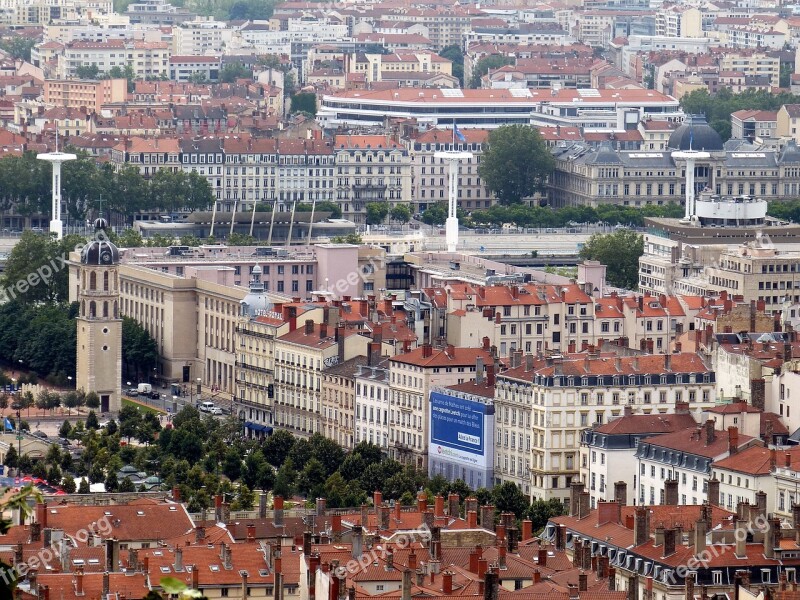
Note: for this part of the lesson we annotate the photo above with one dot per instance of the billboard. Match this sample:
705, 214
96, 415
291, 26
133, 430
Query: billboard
458, 430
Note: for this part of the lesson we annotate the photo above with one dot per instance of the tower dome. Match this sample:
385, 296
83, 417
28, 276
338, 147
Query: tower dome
256, 301
100, 250
695, 134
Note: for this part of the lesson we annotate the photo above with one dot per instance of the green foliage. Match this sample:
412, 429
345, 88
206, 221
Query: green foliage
620, 252
18, 46
190, 240
544, 216
91, 71
509, 498
435, 215
487, 63
377, 212
139, 349
323, 206
251, 9
304, 102
93, 402
541, 511
240, 239
454, 54
198, 77
787, 210
350, 238
516, 163
718, 108
233, 71
43, 336
401, 213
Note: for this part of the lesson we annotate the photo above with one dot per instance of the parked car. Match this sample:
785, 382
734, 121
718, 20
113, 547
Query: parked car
217, 411
133, 392
206, 406
155, 395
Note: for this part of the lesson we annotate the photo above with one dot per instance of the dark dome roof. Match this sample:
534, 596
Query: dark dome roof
100, 250
695, 134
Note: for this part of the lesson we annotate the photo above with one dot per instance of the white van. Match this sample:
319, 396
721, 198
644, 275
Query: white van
206, 406
144, 388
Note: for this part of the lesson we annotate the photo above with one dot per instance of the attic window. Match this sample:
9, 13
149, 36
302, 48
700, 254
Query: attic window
94, 561
107, 513
53, 511
78, 561
214, 568
263, 573
188, 568
165, 569
140, 513
173, 508
158, 553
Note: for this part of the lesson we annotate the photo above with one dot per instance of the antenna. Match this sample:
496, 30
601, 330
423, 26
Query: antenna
56, 136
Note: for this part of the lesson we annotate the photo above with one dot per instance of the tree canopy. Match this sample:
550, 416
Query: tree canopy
139, 349
620, 252
454, 54
377, 212
516, 163
305, 102
490, 62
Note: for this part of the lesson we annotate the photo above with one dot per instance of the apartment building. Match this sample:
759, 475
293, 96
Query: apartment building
301, 356
91, 95
753, 64
338, 399
675, 468
752, 125
370, 168
412, 375
608, 450
185, 67
788, 121
678, 21
148, 59
148, 155
373, 406
202, 36
541, 407
375, 66
429, 175
446, 26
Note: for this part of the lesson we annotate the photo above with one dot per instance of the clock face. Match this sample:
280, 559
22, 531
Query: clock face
105, 257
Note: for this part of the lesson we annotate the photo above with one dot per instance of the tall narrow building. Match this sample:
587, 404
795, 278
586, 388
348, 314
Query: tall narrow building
99, 365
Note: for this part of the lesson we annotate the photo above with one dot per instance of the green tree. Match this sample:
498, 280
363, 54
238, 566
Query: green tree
486, 64
232, 464
285, 480
91, 71
251, 10
509, 498
198, 77
304, 102
401, 213
311, 479
190, 240
541, 511
83, 488
620, 252
787, 70
11, 457
350, 238
323, 206
453, 53
435, 214
18, 46
276, 448
91, 418
139, 349
377, 212
68, 485
516, 163
130, 238
126, 485
240, 239
111, 482
233, 71
65, 430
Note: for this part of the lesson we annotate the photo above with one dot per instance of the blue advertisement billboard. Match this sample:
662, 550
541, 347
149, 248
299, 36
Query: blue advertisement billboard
458, 429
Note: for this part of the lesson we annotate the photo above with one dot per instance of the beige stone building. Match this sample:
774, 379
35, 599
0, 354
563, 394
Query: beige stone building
788, 126
301, 356
339, 400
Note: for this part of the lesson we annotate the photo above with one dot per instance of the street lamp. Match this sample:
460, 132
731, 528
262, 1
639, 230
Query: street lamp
69, 378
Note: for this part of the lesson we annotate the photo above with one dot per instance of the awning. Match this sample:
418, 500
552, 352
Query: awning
258, 427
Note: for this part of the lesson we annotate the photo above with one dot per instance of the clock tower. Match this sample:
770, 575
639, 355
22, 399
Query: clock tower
99, 365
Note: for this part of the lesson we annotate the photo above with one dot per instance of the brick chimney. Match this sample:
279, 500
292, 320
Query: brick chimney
713, 491
710, 434
733, 440
671, 492
641, 525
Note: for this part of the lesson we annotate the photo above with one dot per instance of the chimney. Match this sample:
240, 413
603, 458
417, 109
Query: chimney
561, 537
105, 584
583, 582
306, 541
422, 502
358, 541
36, 532
772, 538
621, 493
572, 589
612, 579
405, 593
700, 527
438, 510
609, 512
412, 560
542, 562
447, 583
251, 533
483, 564
178, 559
527, 529
453, 505
576, 487
491, 589
671, 492
41, 514
321, 507
487, 517
340, 342
377, 500
740, 535
733, 440
309, 327
641, 525
277, 511
669, 542
658, 538
79, 581
501, 556
472, 519
584, 501
262, 505
689, 580
713, 491
758, 393
537, 576
112, 555
336, 525
710, 433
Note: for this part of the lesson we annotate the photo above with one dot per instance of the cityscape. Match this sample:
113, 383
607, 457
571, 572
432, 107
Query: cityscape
399, 300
